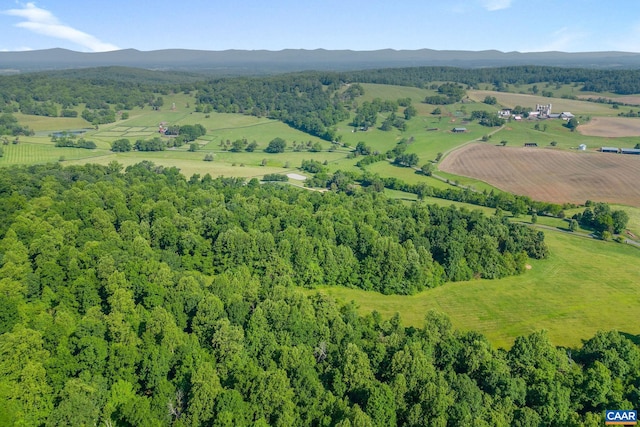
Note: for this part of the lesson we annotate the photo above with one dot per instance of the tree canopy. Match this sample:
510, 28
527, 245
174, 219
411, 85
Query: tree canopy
139, 297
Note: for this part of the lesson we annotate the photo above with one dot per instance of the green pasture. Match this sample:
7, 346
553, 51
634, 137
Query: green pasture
344, 164
446, 203
262, 132
426, 143
35, 153
584, 286
289, 159
463, 181
408, 175
45, 124
430, 135
634, 218
392, 92
188, 166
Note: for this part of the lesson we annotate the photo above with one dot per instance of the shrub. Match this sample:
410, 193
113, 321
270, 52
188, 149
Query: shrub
275, 177
276, 145
121, 145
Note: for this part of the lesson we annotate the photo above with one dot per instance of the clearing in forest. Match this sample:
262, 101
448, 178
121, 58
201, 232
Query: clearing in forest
550, 175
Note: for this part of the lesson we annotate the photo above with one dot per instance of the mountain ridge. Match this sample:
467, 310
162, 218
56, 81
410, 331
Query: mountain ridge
236, 61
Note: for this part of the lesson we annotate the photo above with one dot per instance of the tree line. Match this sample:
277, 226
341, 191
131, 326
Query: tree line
378, 243
346, 181
622, 82
139, 297
305, 101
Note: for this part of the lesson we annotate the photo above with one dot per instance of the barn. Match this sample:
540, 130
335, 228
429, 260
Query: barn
630, 151
609, 149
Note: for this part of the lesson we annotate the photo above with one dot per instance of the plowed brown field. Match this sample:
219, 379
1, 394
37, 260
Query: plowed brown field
611, 127
551, 175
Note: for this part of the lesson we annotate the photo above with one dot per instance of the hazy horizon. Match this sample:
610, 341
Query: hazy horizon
474, 25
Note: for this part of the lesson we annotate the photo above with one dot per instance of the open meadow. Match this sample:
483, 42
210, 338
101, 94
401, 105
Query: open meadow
585, 286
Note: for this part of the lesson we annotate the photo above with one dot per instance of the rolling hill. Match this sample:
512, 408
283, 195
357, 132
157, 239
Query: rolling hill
266, 62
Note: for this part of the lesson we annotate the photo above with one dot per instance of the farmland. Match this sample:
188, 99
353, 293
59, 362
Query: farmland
554, 174
551, 175
611, 127
374, 265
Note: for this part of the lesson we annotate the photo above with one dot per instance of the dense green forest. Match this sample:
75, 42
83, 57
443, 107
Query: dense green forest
621, 82
364, 240
140, 297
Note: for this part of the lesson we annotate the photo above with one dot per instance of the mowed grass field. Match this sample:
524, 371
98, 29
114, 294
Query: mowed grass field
33, 153
188, 163
584, 286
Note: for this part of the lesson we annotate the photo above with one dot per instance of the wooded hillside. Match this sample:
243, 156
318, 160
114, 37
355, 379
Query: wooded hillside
143, 298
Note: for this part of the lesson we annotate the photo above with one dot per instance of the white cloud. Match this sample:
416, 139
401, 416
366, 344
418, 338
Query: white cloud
17, 49
493, 5
43, 22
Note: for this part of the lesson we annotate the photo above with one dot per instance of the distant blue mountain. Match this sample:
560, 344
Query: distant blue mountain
267, 62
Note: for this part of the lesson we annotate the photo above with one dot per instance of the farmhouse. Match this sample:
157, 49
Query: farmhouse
566, 115
582, 147
459, 130
504, 113
609, 149
630, 151
544, 110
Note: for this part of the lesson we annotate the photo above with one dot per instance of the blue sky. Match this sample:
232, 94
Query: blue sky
506, 25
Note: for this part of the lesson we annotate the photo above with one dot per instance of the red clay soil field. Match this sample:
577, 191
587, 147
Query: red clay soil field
551, 175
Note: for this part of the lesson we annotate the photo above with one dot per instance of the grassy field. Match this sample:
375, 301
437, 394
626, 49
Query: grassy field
585, 286
47, 124
190, 163
634, 217
430, 135
32, 153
